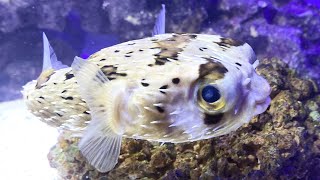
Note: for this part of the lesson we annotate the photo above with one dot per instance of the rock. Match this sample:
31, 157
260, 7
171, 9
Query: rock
285, 108
176, 174
274, 71
302, 89
160, 159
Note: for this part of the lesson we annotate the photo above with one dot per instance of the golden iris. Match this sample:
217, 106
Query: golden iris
210, 99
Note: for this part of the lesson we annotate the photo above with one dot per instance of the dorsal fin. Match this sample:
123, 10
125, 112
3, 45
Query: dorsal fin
50, 60
160, 26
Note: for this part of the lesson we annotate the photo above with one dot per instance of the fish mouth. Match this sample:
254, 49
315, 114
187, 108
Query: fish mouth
262, 100
262, 106
264, 95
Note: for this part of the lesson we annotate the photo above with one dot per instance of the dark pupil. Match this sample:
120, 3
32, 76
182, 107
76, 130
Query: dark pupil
210, 94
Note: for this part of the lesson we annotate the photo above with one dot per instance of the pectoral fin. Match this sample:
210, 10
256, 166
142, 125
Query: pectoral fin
100, 145
102, 139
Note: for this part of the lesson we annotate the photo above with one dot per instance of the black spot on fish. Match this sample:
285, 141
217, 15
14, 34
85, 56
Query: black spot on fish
69, 75
223, 46
161, 61
41, 97
107, 66
160, 109
127, 56
175, 80
122, 74
129, 52
144, 84
39, 102
60, 115
112, 73
55, 83
115, 75
163, 87
162, 57
154, 40
150, 65
140, 50
238, 64
117, 51
210, 119
212, 67
102, 59
64, 91
202, 48
67, 98
86, 112
131, 44
155, 48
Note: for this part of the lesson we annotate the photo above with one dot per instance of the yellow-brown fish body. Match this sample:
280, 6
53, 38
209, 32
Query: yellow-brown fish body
166, 88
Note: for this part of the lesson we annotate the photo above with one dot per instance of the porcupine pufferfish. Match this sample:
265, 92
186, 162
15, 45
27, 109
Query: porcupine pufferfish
166, 88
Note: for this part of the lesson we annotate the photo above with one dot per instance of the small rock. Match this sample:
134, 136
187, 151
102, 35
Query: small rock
160, 159
301, 89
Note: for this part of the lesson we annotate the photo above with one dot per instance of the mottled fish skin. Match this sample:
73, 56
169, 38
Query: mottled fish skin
164, 73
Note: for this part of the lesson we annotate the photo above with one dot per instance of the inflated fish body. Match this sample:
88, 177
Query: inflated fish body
167, 88
158, 80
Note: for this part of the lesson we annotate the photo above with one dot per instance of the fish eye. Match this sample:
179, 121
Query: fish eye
209, 98
210, 94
